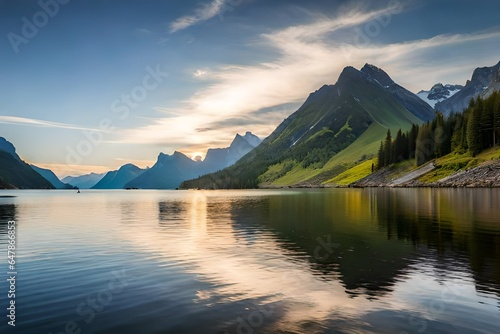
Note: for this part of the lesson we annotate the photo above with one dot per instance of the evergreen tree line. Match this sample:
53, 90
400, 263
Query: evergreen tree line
474, 130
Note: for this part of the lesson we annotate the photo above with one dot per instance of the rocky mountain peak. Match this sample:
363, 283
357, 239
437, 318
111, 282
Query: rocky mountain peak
378, 74
484, 81
9, 148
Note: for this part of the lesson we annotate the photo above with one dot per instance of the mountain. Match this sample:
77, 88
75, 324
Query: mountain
252, 139
15, 173
220, 158
337, 125
240, 146
216, 159
117, 179
51, 177
484, 81
45, 173
439, 93
167, 173
86, 181
406, 98
9, 148
171, 170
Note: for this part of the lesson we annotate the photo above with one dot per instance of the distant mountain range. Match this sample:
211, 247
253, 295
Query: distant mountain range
484, 82
171, 170
439, 93
167, 173
86, 181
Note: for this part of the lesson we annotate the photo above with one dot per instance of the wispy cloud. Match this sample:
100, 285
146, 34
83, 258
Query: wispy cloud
40, 123
203, 13
199, 73
308, 56
141, 32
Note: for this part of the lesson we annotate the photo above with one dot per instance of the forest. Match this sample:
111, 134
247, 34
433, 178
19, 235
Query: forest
473, 131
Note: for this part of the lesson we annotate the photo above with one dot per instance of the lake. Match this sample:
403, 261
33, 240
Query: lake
259, 261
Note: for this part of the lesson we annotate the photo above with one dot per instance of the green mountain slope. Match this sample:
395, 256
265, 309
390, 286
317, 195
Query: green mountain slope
337, 125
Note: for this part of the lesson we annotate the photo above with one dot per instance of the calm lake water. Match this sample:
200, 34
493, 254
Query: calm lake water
294, 261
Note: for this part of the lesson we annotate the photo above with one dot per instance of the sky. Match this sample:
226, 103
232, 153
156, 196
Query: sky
90, 85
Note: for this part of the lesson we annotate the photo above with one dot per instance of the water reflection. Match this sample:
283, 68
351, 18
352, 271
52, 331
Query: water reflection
461, 228
315, 256
358, 256
7, 213
311, 261
174, 210
222, 241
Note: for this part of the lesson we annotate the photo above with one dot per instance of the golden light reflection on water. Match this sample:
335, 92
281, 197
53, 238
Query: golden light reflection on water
207, 241
239, 266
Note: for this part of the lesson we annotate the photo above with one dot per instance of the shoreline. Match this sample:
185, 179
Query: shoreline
370, 187
486, 175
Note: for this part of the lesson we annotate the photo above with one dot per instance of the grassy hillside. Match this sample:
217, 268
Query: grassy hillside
386, 113
353, 174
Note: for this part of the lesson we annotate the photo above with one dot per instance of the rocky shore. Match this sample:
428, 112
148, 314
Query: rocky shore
486, 175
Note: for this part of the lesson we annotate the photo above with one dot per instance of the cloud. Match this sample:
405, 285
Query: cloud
203, 129
141, 32
203, 13
252, 120
421, 63
200, 73
41, 123
307, 57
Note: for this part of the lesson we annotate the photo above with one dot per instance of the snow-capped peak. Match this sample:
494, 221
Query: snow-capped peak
439, 93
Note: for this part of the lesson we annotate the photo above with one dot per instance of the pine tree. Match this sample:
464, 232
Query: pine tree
381, 156
474, 138
388, 149
465, 143
398, 147
405, 146
456, 126
496, 117
425, 144
412, 141
472, 103
440, 136
487, 120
